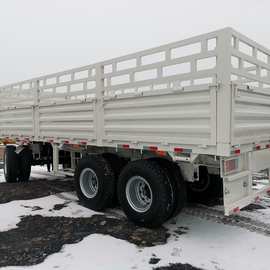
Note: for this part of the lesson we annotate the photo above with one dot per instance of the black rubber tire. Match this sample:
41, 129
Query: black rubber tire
106, 183
117, 164
203, 184
11, 164
161, 207
178, 186
25, 164
210, 194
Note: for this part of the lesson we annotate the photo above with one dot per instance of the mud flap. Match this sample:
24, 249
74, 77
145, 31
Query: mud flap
236, 189
239, 189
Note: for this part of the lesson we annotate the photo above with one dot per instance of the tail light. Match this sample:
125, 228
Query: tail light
230, 165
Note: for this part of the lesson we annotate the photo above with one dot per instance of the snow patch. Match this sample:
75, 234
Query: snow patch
11, 212
204, 244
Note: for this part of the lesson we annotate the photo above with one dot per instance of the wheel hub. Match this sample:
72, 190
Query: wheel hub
139, 194
89, 183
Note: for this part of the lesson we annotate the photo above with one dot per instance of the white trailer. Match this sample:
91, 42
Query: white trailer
146, 127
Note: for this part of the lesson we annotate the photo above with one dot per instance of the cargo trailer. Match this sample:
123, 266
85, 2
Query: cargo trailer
145, 129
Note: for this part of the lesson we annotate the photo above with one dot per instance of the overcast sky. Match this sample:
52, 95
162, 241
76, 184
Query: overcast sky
45, 36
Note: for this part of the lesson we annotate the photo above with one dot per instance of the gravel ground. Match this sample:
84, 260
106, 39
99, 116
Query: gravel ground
36, 237
39, 220
33, 189
178, 266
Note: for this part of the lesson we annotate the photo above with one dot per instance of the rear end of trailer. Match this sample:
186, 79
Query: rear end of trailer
147, 128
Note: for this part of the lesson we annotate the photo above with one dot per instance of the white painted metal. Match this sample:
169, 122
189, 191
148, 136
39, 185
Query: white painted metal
240, 189
164, 96
209, 94
71, 120
55, 158
251, 117
17, 122
260, 160
169, 119
180, 94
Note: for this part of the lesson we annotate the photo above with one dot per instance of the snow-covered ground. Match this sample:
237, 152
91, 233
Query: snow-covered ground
206, 244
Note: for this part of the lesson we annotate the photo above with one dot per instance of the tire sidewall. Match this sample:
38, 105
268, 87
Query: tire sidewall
105, 182
25, 163
5, 159
160, 195
11, 164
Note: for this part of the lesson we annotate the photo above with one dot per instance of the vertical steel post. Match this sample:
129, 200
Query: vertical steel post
55, 158
36, 110
224, 95
99, 106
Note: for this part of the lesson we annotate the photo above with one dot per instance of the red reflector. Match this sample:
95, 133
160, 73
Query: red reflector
178, 150
83, 143
267, 146
65, 142
237, 151
161, 153
126, 146
77, 146
236, 210
153, 148
230, 165
268, 191
258, 147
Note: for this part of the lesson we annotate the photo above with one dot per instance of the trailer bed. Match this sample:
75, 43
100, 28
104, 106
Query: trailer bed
208, 95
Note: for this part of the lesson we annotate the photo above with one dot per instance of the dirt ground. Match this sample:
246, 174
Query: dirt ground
42, 225
36, 237
33, 189
178, 266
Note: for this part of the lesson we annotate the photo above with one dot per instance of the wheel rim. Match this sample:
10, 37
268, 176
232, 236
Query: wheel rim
89, 183
139, 194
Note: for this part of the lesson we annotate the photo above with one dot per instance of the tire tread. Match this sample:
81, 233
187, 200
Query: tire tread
158, 213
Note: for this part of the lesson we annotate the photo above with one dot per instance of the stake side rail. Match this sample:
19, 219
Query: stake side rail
184, 94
